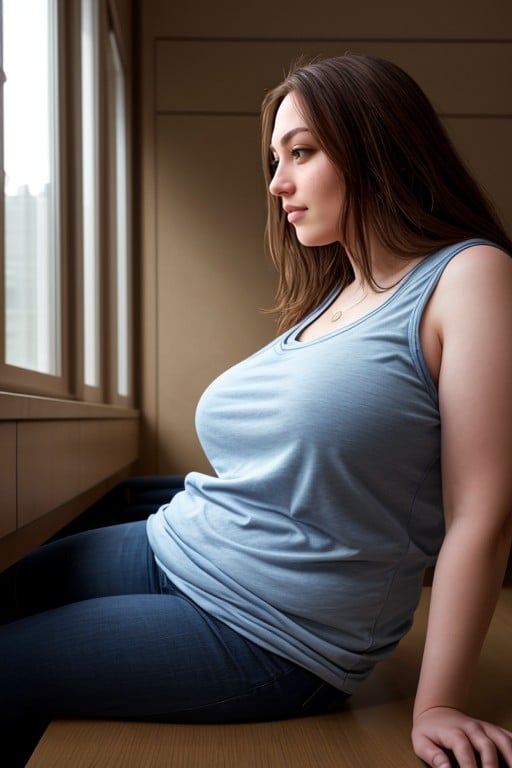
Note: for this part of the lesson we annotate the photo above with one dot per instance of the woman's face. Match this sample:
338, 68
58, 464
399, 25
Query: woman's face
305, 179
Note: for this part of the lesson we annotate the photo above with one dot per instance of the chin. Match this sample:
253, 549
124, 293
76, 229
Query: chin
315, 242
317, 239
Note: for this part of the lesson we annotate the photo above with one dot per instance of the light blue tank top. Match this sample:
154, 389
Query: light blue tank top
313, 537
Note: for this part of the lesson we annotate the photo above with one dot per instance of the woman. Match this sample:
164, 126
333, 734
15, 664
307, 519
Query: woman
357, 135
370, 439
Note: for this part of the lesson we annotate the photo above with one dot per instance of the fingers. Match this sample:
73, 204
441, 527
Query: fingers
502, 739
463, 750
474, 749
493, 746
432, 754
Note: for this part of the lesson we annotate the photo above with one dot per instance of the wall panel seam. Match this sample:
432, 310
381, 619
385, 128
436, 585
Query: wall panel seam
228, 113
241, 39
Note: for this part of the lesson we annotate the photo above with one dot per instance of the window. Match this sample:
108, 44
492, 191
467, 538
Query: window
65, 258
32, 274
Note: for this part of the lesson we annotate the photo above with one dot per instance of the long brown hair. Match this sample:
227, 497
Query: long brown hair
403, 178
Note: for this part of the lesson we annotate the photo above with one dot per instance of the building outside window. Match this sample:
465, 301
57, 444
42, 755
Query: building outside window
32, 274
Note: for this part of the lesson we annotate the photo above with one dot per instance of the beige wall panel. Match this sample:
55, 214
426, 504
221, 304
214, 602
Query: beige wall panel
233, 76
7, 478
326, 18
213, 278
485, 144
105, 448
47, 467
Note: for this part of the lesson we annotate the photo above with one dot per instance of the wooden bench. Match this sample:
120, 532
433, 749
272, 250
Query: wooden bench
372, 732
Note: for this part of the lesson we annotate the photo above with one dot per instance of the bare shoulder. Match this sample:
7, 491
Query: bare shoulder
470, 307
479, 278
478, 262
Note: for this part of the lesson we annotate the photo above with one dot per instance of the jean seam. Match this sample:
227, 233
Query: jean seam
253, 689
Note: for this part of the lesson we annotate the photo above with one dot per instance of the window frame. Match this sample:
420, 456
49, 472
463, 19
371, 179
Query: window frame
89, 392
112, 31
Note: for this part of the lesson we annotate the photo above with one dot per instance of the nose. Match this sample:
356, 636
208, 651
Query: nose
281, 183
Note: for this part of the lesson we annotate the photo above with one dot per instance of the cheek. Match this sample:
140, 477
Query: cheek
338, 193
334, 200
333, 191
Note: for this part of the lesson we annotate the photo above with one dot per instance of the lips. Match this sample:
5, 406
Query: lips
294, 212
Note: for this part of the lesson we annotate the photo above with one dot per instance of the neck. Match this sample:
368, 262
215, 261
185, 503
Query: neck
387, 268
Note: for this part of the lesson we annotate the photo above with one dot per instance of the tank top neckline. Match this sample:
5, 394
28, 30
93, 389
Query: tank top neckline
291, 339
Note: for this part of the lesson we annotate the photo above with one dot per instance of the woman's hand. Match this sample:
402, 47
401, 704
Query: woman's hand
472, 742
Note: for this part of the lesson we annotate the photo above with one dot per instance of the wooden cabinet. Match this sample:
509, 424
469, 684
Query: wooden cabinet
54, 464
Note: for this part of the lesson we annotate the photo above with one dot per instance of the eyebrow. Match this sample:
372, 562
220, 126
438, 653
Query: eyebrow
288, 136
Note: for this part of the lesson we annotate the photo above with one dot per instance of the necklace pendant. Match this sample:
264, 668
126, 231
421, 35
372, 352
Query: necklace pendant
336, 316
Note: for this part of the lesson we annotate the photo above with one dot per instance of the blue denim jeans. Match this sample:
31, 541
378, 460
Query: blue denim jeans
91, 627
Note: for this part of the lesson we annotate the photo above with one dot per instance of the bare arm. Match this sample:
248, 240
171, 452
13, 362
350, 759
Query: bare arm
472, 313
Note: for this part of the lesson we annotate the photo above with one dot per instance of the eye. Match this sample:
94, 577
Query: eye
300, 153
273, 163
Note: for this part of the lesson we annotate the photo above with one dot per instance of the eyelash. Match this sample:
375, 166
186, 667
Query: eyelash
297, 153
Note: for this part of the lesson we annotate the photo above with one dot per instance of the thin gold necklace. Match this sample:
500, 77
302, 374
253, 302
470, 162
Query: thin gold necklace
340, 312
